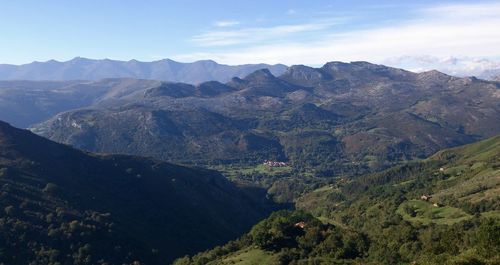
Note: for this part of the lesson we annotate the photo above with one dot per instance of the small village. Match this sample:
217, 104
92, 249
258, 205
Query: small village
271, 163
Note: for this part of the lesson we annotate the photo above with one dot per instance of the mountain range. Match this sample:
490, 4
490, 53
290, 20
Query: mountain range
60, 205
126, 173
166, 70
342, 118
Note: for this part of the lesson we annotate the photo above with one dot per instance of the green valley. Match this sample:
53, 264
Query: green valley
441, 210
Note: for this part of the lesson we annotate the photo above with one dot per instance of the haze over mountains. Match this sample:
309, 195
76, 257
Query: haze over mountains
166, 70
207, 70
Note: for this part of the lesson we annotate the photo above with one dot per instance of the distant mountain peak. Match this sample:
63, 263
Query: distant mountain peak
336, 65
304, 75
363, 70
261, 74
434, 73
300, 69
82, 59
208, 62
364, 63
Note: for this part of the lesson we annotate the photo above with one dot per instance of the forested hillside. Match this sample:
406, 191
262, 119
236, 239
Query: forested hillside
442, 210
59, 205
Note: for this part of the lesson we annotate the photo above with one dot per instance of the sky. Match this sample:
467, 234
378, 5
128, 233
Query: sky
410, 33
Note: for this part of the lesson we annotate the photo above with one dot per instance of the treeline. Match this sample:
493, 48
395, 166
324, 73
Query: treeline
292, 236
476, 241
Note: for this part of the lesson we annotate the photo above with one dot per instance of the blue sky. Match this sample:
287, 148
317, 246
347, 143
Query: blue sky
236, 32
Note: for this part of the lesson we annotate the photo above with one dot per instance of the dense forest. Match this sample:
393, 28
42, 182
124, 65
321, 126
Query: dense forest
59, 205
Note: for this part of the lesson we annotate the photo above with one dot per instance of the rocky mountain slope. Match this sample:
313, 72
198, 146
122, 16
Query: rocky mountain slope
342, 118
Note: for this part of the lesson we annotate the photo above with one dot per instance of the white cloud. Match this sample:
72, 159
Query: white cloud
458, 66
258, 35
226, 23
460, 11
465, 30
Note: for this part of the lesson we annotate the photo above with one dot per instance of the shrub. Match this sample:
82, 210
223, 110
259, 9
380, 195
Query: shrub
51, 188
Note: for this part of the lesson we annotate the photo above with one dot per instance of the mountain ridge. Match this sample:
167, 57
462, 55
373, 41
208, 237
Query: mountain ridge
165, 70
361, 114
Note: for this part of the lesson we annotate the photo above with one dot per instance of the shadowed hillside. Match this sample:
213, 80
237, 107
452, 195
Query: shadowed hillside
64, 206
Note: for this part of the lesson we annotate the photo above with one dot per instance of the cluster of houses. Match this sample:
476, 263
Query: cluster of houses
271, 163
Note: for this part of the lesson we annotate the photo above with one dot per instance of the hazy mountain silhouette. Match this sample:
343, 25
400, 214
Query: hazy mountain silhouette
166, 70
